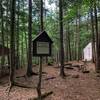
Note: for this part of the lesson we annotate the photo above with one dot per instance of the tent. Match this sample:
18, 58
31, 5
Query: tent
87, 52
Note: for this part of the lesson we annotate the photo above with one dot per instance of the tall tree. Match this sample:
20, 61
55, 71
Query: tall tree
97, 39
41, 16
7, 28
69, 47
40, 68
62, 74
78, 33
92, 30
29, 68
2, 32
12, 42
17, 35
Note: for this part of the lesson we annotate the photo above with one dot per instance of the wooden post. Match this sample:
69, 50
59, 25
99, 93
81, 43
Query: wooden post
39, 82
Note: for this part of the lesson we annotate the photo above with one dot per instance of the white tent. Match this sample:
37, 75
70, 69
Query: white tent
87, 52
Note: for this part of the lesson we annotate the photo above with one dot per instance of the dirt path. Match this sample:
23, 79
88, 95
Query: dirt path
85, 87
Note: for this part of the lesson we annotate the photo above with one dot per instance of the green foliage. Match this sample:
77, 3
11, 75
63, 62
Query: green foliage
50, 61
72, 10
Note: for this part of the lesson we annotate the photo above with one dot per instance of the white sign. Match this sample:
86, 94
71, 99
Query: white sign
42, 48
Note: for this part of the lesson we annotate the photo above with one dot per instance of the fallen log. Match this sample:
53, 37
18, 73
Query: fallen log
85, 71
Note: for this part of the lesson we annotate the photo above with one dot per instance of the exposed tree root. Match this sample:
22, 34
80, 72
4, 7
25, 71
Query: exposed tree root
9, 89
24, 76
31, 74
49, 78
85, 71
43, 96
44, 73
98, 75
68, 64
62, 75
71, 68
21, 85
18, 85
34, 73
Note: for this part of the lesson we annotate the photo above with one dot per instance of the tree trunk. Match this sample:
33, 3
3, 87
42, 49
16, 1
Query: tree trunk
66, 47
78, 34
75, 41
41, 16
40, 79
62, 74
17, 35
93, 35
7, 28
69, 46
29, 68
2, 32
22, 51
97, 40
40, 69
12, 42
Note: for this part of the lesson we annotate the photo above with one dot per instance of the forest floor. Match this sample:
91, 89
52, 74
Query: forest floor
84, 87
